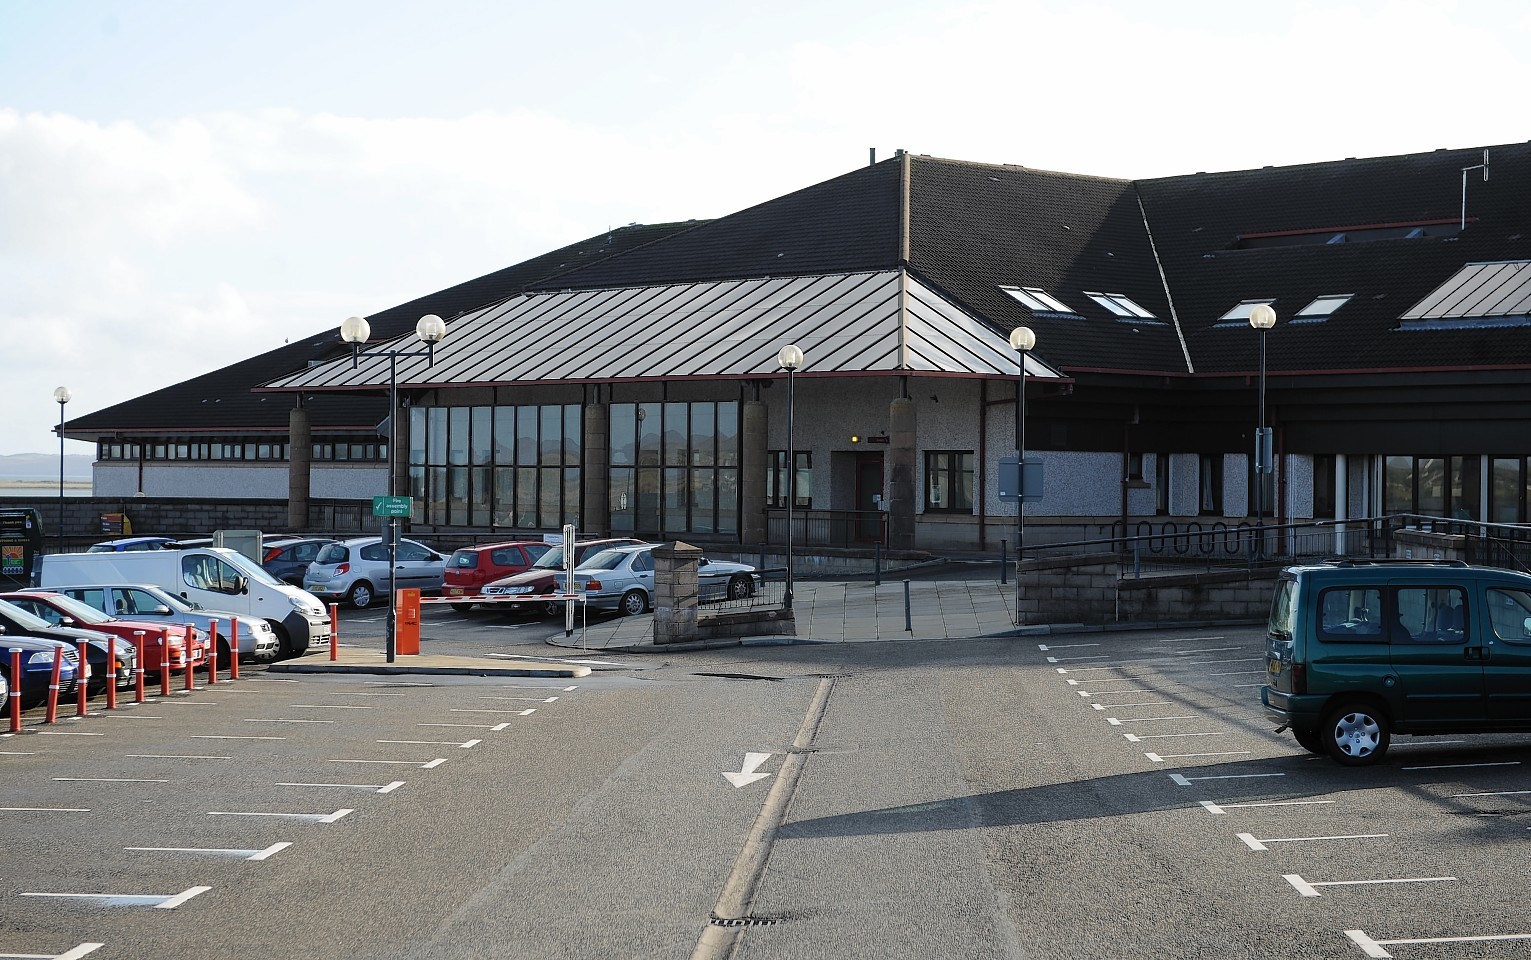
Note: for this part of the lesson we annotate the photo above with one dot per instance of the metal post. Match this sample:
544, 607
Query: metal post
1020, 465
791, 487
62, 396
212, 653
139, 652
908, 612
393, 536
877, 566
111, 672
1260, 465
234, 648
1004, 562
15, 696
82, 681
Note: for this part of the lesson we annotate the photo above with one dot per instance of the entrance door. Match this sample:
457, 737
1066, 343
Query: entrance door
868, 493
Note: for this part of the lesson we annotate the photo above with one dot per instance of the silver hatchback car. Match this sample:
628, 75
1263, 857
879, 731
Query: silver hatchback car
357, 570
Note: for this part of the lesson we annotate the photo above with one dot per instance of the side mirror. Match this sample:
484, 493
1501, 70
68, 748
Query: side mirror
66, 621
242, 585
162, 610
1525, 627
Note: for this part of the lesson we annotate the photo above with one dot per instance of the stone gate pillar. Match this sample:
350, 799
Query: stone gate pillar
676, 596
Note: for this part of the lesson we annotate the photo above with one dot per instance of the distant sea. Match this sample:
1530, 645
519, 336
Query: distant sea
12, 487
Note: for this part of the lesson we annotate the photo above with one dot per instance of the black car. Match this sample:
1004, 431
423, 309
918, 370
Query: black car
288, 558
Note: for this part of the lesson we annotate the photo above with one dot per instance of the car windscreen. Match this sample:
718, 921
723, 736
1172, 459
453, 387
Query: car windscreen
605, 560
24, 618
250, 568
333, 553
79, 609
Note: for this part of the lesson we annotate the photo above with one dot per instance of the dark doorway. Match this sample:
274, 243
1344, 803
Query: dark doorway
868, 497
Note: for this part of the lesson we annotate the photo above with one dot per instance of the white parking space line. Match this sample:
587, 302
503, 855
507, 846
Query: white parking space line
315, 817
136, 716
270, 680
422, 764
1107, 693
1240, 673
1064, 646
375, 787
283, 720
1253, 844
229, 736
1140, 703
1116, 721
1135, 738
1496, 793
395, 683
130, 900
466, 744
1374, 948
1186, 781
332, 706
188, 703
171, 756
1097, 656
1212, 663
265, 854
532, 699
367, 693
105, 780
17, 753
1163, 757
1107, 666
1465, 766
1190, 639
83, 950
66, 733
1076, 683
1224, 807
527, 713
471, 726
44, 809
1308, 887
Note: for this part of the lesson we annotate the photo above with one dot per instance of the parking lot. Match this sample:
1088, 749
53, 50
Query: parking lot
1090, 794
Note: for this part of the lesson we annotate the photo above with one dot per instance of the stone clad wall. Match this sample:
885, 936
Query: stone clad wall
1090, 589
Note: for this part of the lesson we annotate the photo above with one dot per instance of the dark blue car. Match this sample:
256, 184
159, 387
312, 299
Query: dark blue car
37, 657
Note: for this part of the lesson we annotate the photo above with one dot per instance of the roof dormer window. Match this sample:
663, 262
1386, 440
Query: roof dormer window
1038, 300
1321, 309
1120, 306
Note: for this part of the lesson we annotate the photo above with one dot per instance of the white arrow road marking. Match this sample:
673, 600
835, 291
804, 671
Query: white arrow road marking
747, 774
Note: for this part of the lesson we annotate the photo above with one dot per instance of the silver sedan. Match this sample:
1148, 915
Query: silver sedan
622, 579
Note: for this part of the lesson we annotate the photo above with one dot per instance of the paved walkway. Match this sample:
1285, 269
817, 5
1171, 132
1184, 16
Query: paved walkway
847, 612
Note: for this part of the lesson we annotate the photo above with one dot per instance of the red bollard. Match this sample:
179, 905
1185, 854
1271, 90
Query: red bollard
51, 716
212, 654
111, 673
15, 697
190, 663
233, 649
82, 680
138, 665
334, 631
164, 663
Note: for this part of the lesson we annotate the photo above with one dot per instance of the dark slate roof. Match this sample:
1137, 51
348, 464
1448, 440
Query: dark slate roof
221, 401
1197, 220
975, 227
849, 224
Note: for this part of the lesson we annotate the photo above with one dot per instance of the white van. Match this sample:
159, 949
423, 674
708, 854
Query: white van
214, 577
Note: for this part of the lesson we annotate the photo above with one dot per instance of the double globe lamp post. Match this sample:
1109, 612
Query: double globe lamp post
430, 331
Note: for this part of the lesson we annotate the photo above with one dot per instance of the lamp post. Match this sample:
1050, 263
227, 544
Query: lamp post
61, 395
1022, 340
430, 331
789, 359
1262, 318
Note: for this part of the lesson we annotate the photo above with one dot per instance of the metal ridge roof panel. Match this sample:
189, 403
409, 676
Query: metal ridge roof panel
844, 323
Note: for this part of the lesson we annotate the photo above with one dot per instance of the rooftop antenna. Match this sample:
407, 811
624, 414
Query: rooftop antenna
1477, 166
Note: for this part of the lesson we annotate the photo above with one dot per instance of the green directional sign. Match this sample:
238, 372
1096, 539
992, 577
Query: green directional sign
391, 506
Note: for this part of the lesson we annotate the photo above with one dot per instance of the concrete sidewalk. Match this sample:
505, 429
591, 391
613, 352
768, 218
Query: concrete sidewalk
362, 660
845, 612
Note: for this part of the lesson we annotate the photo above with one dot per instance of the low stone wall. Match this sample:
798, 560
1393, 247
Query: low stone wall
760, 622
1091, 589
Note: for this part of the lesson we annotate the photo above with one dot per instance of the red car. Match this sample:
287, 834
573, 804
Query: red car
472, 568
69, 612
541, 577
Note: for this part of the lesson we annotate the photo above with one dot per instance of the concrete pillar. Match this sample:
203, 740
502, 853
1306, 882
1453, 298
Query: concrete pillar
300, 457
596, 475
676, 595
1341, 501
752, 474
901, 474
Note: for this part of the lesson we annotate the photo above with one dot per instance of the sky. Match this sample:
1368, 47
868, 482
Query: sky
187, 184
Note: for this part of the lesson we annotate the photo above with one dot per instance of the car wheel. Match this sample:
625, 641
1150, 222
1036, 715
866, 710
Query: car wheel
462, 607
1356, 734
633, 603
360, 596
740, 587
1309, 740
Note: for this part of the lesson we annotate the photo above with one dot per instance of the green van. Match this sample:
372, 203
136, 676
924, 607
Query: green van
1358, 650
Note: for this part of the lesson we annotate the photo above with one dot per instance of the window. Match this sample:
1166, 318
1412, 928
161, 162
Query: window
1507, 490
1119, 305
948, 482
1321, 309
1162, 484
1239, 315
674, 467
1510, 612
1430, 615
1035, 298
1211, 484
1351, 613
1323, 486
776, 479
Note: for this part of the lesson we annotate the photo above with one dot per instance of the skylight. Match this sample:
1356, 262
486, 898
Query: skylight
1239, 315
1321, 309
1036, 298
1479, 291
1119, 305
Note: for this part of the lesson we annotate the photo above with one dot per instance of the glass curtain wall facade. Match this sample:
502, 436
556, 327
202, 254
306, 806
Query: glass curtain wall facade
514, 467
675, 467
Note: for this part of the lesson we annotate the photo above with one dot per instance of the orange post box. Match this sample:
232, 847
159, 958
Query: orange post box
407, 638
